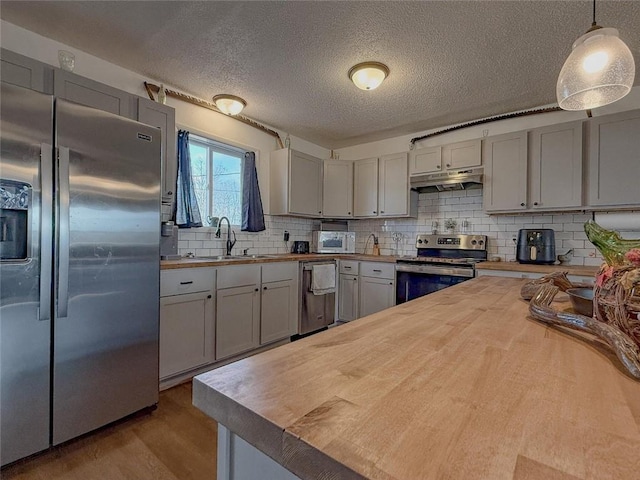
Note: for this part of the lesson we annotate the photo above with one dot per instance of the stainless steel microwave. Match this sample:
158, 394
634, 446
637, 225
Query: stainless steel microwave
333, 242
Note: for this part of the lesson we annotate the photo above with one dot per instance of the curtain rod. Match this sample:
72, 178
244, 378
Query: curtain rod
151, 89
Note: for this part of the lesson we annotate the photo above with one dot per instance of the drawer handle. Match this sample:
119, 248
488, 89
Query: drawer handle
379, 271
186, 283
347, 268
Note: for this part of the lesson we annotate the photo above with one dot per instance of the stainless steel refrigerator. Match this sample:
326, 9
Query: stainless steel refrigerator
79, 270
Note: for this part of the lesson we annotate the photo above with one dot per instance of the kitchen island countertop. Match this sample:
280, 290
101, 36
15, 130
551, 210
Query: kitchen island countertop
459, 384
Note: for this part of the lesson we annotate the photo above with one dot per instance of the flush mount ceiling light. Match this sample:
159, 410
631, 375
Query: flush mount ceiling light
229, 104
600, 70
368, 75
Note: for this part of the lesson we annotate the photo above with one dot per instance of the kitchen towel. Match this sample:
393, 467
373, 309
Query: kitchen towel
323, 279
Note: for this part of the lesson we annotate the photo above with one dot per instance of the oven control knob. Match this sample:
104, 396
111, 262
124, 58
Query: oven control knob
480, 242
473, 242
419, 240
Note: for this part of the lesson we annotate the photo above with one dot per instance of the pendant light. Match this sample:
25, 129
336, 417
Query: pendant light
368, 75
229, 104
600, 70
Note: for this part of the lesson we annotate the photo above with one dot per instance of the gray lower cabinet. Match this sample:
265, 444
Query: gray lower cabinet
257, 304
237, 320
365, 288
26, 72
185, 333
377, 287
94, 94
187, 319
614, 160
376, 294
347, 297
279, 301
164, 117
276, 316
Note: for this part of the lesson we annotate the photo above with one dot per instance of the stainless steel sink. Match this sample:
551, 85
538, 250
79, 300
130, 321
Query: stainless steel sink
221, 258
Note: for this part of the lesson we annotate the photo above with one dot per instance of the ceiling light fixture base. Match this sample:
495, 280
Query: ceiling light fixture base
229, 104
368, 75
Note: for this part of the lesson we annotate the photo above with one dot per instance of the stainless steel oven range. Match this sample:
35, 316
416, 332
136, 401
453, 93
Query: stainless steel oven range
441, 261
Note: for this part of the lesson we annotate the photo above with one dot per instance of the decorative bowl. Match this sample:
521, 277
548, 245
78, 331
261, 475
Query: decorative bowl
582, 300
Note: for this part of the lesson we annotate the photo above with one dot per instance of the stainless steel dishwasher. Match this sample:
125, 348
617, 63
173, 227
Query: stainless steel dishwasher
316, 311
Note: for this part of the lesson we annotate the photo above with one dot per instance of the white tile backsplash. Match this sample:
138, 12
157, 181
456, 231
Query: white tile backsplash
438, 206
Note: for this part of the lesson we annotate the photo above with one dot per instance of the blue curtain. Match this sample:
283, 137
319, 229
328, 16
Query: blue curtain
252, 214
187, 212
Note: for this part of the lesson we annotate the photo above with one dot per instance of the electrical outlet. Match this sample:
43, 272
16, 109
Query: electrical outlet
286, 236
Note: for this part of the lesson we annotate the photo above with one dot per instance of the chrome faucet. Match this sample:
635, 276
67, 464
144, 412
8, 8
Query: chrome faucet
230, 243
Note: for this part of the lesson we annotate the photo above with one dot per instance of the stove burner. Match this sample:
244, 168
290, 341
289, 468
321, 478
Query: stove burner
441, 260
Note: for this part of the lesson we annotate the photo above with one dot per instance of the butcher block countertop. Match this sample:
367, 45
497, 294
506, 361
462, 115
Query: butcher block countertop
285, 257
459, 384
586, 271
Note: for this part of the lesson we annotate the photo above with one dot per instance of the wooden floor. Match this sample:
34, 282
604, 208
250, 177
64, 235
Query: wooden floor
174, 442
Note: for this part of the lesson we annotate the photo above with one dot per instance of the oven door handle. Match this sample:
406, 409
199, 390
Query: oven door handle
433, 270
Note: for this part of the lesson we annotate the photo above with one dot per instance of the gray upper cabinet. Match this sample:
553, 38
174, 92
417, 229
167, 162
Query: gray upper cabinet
337, 191
505, 172
555, 166
164, 117
26, 72
614, 160
87, 92
296, 183
462, 154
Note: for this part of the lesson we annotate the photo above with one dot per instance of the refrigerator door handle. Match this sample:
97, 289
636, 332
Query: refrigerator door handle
63, 239
46, 229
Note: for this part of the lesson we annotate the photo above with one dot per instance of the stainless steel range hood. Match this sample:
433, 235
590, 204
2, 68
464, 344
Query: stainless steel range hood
446, 181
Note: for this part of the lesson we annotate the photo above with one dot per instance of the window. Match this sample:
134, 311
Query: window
216, 170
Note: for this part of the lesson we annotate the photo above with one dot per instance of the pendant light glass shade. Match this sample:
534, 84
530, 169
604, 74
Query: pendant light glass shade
368, 75
600, 70
229, 104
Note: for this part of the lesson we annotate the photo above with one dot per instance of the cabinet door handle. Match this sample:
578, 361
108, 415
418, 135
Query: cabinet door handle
381, 211
448, 165
348, 213
390, 283
186, 283
522, 204
169, 193
264, 288
535, 203
208, 296
375, 211
257, 290
355, 279
438, 167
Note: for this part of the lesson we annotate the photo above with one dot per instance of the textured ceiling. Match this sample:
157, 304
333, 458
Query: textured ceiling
450, 61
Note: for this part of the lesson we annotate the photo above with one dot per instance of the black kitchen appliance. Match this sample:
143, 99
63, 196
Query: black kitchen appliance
536, 246
300, 246
441, 261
